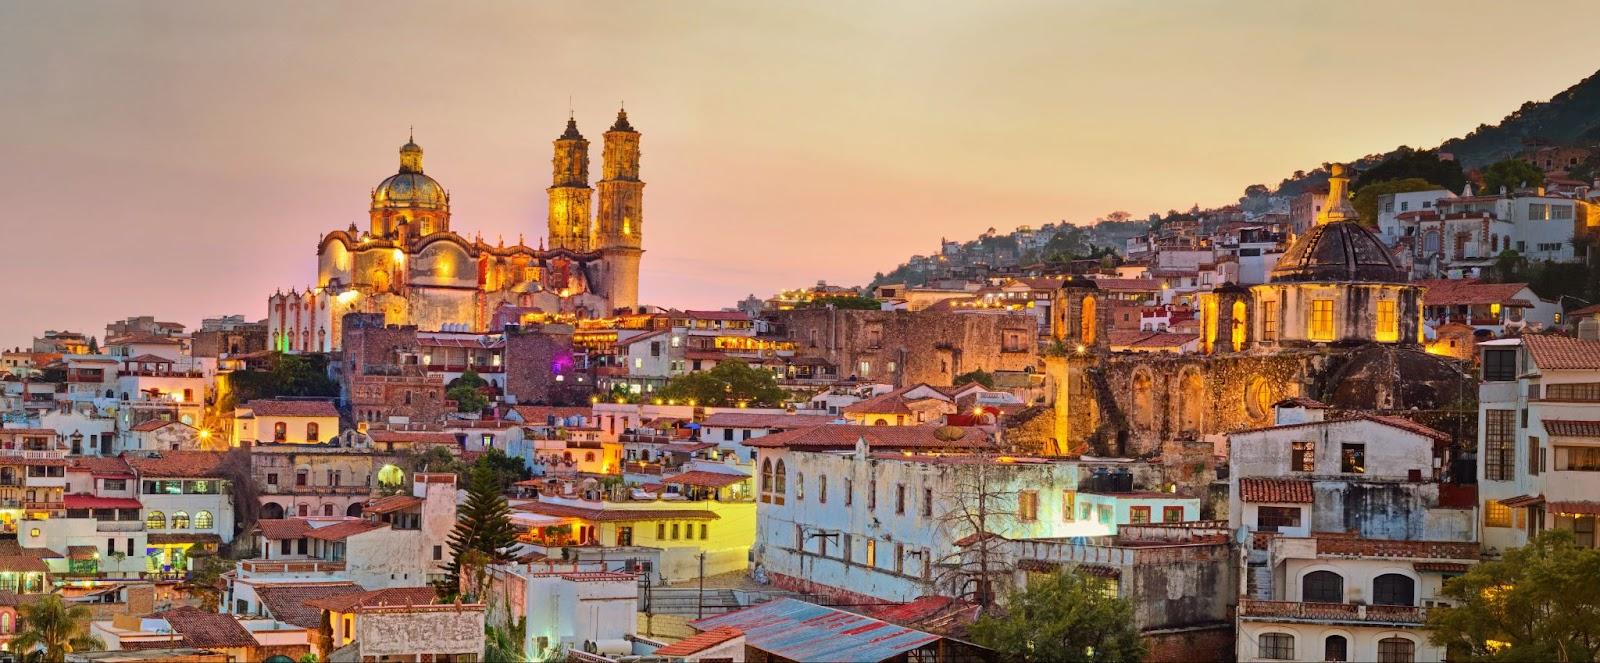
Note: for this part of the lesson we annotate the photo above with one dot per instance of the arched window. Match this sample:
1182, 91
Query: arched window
1277, 646
311, 432
1237, 322
1393, 589
766, 480
155, 520
5, 622
1322, 587
280, 432
1086, 321
780, 480
1396, 650
1336, 648
180, 520
202, 520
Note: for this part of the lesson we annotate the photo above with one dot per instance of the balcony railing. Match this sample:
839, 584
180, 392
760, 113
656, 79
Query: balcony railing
290, 566
1335, 612
119, 526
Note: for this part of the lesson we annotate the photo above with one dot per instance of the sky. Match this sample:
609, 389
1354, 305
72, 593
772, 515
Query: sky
181, 159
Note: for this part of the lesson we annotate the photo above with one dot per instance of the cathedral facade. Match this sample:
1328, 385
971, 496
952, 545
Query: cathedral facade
412, 267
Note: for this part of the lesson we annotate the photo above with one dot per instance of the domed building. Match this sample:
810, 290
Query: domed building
1337, 284
409, 265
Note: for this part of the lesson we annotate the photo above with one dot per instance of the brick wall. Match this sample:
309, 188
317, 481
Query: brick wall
1212, 644
924, 346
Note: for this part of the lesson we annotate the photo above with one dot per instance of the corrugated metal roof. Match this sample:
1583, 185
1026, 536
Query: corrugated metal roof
801, 631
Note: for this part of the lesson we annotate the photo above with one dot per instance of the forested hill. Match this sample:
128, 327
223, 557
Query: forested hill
1569, 118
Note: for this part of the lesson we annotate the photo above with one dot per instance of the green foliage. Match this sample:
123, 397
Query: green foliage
206, 578
468, 392
50, 629
1538, 603
483, 529
287, 375
850, 303
1064, 617
1511, 174
1568, 118
979, 376
309, 658
469, 378
729, 383
1366, 199
1550, 279
504, 642
1405, 164
505, 470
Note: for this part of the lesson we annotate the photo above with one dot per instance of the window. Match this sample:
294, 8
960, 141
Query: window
1069, 506
800, 486
1496, 514
1277, 646
899, 558
661, 532
1322, 320
1500, 364
1106, 514
1353, 458
1388, 322
1535, 455
300, 477
1139, 514
1303, 456
900, 498
872, 494
1405, 205
280, 431
872, 553
927, 502
1396, 650
155, 520
727, 435
1322, 587
202, 520
1028, 506
1393, 589
588, 456
702, 531
849, 491
1499, 461
766, 480
438, 552
1538, 212
1271, 518
822, 489
1336, 648
272, 478
1269, 320
1578, 459
1588, 392
311, 432
1172, 514
675, 530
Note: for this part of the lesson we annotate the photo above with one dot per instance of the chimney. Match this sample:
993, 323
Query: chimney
1589, 328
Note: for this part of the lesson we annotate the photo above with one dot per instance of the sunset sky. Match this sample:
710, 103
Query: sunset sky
181, 159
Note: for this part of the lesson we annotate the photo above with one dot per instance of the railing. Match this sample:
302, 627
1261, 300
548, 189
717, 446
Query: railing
641, 468
290, 566
648, 439
44, 506
119, 526
1389, 614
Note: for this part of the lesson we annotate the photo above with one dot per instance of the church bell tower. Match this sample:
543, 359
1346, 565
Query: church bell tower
570, 195
620, 221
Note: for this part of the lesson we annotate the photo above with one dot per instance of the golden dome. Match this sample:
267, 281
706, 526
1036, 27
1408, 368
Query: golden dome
410, 187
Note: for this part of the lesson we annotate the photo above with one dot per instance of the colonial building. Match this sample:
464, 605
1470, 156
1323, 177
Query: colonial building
410, 266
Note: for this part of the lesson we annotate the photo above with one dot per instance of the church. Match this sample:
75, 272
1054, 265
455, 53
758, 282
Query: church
411, 266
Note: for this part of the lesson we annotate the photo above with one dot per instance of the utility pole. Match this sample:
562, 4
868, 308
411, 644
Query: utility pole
701, 597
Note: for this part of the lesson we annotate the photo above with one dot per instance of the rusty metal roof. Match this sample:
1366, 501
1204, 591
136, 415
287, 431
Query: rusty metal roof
800, 631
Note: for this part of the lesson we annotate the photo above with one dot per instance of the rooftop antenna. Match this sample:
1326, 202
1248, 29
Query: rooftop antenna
411, 134
570, 114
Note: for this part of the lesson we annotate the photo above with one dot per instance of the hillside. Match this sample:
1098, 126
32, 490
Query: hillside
1571, 117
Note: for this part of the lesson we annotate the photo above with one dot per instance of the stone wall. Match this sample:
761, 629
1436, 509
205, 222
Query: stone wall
1183, 645
534, 358
932, 346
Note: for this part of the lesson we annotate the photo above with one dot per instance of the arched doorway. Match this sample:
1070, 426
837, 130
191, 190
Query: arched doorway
1191, 402
354, 510
1143, 416
272, 510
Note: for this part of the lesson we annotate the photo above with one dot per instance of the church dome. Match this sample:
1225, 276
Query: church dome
410, 187
1338, 247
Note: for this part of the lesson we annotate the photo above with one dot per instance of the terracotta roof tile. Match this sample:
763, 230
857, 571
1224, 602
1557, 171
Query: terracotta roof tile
289, 408
344, 530
1345, 545
414, 437
1562, 352
699, 642
1291, 491
392, 503
614, 515
203, 628
1580, 508
758, 420
1460, 292
391, 597
180, 464
287, 602
101, 465
283, 528
844, 436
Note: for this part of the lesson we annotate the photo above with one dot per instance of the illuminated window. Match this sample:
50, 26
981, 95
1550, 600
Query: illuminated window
155, 520
202, 520
872, 552
1304, 457
1028, 506
1496, 514
1388, 322
1322, 320
1139, 514
1238, 326
1087, 321
1069, 506
1499, 463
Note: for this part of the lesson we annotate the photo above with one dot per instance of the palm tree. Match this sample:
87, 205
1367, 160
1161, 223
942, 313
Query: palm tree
51, 629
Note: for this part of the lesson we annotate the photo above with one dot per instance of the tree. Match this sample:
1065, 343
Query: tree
483, 530
979, 376
1537, 603
1063, 617
51, 629
505, 470
1406, 163
729, 383
94, 346
1366, 199
842, 302
1511, 174
504, 642
467, 392
286, 375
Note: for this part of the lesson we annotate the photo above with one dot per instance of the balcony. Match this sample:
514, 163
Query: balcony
290, 566
1332, 612
44, 506
119, 526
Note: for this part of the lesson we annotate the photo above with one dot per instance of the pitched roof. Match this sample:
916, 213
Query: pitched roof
344, 530
1131, 285
392, 503
536, 414
699, 642
1392, 421
96, 502
1562, 352
892, 402
614, 515
151, 425
1291, 491
287, 602
390, 597
844, 436
204, 628
283, 528
1462, 292
414, 437
760, 420
705, 479
801, 631
291, 408
102, 465
1572, 428
180, 464
717, 315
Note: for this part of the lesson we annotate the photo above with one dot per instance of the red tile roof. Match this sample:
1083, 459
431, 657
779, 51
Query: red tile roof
1562, 352
891, 402
1579, 508
392, 503
1302, 402
287, 602
705, 479
1128, 285
1572, 428
614, 515
95, 502
283, 528
1388, 420
1441, 567
288, 408
111, 466
344, 530
700, 642
1462, 292
151, 425
1346, 545
391, 597
758, 420
180, 464
204, 628
414, 437
536, 414
1291, 491
844, 436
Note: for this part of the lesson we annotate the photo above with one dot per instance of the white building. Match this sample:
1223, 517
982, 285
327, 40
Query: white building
1391, 225
730, 429
570, 606
284, 421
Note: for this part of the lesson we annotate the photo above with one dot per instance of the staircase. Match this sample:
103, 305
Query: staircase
1259, 582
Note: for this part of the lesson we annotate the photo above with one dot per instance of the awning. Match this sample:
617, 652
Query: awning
94, 502
1576, 508
1522, 501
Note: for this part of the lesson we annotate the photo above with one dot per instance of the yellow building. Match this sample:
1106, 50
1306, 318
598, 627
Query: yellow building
285, 421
